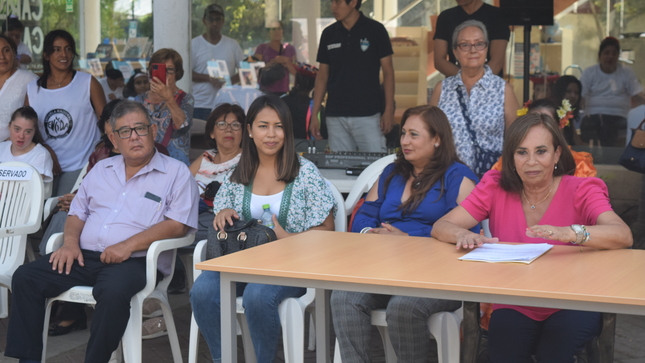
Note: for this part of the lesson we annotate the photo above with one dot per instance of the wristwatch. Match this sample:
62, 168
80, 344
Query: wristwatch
580, 233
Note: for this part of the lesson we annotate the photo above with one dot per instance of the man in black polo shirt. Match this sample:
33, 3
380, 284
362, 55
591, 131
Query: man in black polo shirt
496, 25
351, 53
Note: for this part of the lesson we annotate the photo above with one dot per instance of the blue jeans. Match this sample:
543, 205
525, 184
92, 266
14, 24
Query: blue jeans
514, 337
261, 310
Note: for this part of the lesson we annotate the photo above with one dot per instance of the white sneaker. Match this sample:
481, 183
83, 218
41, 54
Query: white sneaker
153, 328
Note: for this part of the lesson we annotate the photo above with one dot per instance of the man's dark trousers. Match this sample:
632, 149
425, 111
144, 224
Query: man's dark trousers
114, 286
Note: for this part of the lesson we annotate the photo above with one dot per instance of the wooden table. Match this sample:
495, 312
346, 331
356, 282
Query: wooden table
605, 281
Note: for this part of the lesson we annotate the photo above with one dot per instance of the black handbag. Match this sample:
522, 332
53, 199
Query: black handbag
633, 157
237, 237
272, 73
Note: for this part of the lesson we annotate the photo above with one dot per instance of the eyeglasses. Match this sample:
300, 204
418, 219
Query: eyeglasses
126, 132
274, 29
465, 47
170, 70
218, 19
223, 125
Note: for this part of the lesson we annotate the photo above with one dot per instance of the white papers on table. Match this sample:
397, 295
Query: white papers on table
497, 252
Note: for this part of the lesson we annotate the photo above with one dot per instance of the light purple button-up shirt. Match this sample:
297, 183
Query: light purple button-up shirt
114, 210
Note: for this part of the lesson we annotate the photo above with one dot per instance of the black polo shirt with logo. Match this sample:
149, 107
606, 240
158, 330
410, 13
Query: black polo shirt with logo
354, 59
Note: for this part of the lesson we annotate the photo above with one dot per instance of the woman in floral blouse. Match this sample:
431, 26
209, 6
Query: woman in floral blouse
269, 172
170, 107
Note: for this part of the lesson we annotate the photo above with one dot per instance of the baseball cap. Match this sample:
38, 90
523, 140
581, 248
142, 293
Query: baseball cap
213, 8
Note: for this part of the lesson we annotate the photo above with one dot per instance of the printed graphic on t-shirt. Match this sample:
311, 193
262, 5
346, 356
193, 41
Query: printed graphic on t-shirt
365, 44
58, 123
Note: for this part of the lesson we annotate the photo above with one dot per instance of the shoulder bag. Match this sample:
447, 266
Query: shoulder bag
171, 127
273, 72
484, 159
237, 237
633, 158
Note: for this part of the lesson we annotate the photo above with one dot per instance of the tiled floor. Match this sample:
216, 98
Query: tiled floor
630, 342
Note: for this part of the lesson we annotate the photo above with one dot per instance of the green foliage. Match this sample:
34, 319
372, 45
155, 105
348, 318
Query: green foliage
56, 17
244, 20
113, 23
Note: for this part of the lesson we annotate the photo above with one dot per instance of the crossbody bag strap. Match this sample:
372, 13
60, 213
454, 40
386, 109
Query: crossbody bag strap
179, 98
464, 112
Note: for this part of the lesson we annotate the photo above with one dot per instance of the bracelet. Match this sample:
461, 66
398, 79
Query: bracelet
586, 236
366, 229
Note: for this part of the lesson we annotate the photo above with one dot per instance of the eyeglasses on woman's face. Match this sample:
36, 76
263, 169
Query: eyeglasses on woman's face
466, 47
223, 125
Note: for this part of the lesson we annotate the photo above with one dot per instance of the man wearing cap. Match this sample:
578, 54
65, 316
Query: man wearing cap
212, 45
351, 54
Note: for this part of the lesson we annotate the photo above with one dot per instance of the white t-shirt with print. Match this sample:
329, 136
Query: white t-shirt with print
38, 157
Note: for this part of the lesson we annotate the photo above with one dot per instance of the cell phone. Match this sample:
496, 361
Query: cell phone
159, 71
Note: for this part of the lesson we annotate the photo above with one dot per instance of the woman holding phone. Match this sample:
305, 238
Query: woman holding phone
168, 106
269, 172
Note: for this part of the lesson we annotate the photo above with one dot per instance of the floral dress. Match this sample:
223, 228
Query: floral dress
179, 143
306, 202
484, 106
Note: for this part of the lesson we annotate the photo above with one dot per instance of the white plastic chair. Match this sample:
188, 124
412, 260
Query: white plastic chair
443, 326
291, 310
365, 181
131, 340
51, 203
193, 343
21, 206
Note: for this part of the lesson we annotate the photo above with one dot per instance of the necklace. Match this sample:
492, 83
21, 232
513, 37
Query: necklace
534, 204
59, 84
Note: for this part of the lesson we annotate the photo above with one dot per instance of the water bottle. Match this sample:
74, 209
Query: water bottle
267, 217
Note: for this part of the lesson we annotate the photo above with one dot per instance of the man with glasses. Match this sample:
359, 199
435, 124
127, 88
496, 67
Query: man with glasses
212, 45
498, 35
125, 203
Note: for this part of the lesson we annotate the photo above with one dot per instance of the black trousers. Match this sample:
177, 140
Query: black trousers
114, 286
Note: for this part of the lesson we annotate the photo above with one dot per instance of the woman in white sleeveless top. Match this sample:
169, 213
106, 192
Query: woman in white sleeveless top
13, 83
67, 103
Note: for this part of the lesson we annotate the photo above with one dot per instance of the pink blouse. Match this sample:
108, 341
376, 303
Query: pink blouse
576, 201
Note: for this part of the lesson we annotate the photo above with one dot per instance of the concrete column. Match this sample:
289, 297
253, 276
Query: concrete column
385, 9
90, 26
309, 10
172, 30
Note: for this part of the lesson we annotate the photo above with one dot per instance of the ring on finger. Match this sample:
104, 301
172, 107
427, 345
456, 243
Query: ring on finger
551, 233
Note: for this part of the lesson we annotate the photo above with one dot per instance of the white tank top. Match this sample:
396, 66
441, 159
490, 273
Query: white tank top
257, 201
67, 120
